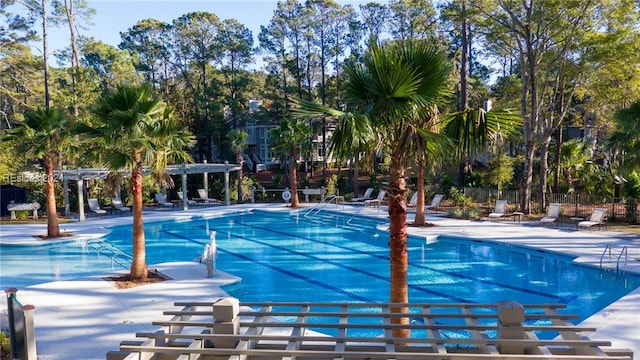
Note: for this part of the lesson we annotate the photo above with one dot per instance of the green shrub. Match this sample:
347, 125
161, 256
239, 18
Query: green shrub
458, 198
373, 181
5, 345
331, 185
304, 182
277, 180
22, 214
456, 213
472, 213
342, 183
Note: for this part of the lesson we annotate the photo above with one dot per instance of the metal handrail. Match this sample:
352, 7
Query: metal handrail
326, 201
104, 247
626, 255
608, 247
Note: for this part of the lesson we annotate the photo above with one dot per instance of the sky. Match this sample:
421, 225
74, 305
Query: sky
115, 16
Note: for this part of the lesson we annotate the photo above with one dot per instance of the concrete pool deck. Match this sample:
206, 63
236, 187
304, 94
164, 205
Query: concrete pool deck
85, 318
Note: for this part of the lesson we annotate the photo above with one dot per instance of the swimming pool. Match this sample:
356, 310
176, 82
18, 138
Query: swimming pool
287, 257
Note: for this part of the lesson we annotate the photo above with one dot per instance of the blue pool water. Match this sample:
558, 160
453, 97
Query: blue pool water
287, 257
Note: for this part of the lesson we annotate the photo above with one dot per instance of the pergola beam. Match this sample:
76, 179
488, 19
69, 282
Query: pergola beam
81, 174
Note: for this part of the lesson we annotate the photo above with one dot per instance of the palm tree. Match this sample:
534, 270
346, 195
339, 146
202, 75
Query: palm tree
625, 139
135, 129
383, 93
288, 139
427, 144
45, 136
238, 143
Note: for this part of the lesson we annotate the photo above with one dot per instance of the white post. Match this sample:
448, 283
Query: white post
227, 200
185, 204
65, 188
206, 178
211, 255
80, 196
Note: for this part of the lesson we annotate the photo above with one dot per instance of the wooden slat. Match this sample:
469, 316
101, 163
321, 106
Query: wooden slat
265, 336
353, 340
478, 335
362, 354
377, 315
382, 326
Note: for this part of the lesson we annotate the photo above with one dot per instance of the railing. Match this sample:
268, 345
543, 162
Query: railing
608, 247
626, 255
573, 205
275, 195
326, 201
21, 329
106, 249
506, 330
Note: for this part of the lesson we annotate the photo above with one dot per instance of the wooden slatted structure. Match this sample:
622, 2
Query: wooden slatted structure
224, 329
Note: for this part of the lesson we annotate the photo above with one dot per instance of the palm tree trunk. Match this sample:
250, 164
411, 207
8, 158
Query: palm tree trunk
398, 257
293, 166
139, 259
420, 216
53, 230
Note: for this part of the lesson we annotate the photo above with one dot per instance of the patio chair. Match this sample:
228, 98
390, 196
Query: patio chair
182, 199
117, 204
366, 196
162, 200
435, 202
94, 206
413, 202
553, 213
597, 218
500, 210
378, 200
204, 197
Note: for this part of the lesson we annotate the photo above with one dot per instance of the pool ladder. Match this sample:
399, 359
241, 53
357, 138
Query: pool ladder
625, 252
104, 248
326, 201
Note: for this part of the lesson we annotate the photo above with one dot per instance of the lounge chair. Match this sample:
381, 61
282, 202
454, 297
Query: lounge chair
597, 218
182, 198
553, 213
204, 197
435, 202
378, 200
366, 196
117, 204
162, 200
413, 202
94, 206
500, 210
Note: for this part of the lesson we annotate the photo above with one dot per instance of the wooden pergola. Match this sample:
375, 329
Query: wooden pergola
228, 329
81, 174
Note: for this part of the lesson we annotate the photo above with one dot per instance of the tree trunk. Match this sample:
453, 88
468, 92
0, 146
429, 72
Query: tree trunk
544, 167
556, 172
240, 160
53, 230
45, 54
75, 57
293, 169
139, 258
420, 216
398, 257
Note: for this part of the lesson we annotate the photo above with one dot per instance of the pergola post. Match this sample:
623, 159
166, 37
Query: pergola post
205, 176
227, 200
80, 196
65, 188
185, 204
